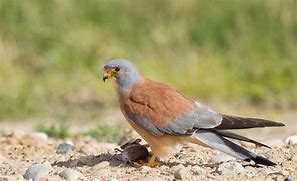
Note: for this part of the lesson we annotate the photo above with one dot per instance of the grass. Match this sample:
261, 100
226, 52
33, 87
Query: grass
60, 131
103, 132
106, 133
52, 52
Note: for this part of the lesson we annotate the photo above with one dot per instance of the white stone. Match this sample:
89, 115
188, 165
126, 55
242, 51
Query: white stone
71, 174
179, 172
197, 170
37, 171
230, 168
291, 140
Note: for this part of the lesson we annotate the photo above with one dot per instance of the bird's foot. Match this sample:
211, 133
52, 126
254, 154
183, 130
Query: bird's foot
149, 164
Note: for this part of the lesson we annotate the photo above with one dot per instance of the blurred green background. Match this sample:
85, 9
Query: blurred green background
52, 52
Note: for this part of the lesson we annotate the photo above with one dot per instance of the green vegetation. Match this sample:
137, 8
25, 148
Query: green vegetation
60, 131
52, 52
106, 133
103, 132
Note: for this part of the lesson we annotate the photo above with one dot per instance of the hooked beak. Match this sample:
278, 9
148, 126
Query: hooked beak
107, 74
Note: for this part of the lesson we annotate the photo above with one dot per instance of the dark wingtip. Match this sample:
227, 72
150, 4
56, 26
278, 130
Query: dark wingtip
281, 124
261, 160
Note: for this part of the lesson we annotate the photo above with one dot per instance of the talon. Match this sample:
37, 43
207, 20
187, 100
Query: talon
151, 163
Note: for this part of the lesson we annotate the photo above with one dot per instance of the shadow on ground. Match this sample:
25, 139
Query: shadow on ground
90, 161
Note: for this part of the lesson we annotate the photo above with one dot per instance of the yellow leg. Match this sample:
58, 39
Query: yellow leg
151, 163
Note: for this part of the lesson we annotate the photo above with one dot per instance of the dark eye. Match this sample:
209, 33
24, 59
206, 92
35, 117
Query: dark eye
117, 69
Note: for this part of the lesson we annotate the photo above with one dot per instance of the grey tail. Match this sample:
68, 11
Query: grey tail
229, 134
216, 141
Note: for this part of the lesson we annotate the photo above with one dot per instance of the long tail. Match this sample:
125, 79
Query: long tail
236, 122
228, 134
216, 141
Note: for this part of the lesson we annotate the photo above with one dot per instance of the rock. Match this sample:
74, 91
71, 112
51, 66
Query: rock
274, 142
221, 158
104, 171
65, 148
288, 178
196, 170
294, 158
145, 169
71, 174
230, 168
100, 165
179, 172
291, 140
113, 179
37, 171
180, 155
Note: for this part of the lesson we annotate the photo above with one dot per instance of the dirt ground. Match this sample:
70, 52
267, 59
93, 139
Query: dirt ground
21, 147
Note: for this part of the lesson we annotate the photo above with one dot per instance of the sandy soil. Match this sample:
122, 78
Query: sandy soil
21, 147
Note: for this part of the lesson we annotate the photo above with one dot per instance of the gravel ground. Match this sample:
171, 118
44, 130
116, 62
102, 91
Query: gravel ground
29, 155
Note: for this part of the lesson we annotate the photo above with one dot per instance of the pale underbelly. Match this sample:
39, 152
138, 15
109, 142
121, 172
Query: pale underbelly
162, 146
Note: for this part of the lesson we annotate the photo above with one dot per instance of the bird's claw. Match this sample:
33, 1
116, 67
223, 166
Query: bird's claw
149, 164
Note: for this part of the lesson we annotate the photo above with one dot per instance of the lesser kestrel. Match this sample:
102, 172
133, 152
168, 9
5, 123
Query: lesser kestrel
166, 119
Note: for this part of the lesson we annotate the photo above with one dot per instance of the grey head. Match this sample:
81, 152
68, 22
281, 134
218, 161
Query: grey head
124, 72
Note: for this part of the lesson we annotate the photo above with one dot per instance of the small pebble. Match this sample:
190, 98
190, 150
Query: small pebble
113, 179
71, 174
196, 170
65, 148
230, 168
291, 140
288, 178
100, 165
37, 171
294, 158
145, 169
101, 172
180, 155
179, 172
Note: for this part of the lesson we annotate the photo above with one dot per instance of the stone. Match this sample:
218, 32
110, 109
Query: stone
291, 140
230, 168
37, 171
100, 165
180, 155
179, 172
288, 178
221, 158
113, 179
145, 169
197, 170
104, 171
65, 148
71, 174
294, 158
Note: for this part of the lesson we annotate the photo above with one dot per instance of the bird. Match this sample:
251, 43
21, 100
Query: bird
166, 119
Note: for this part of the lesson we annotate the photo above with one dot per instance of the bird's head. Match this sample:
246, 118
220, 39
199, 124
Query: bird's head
123, 72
